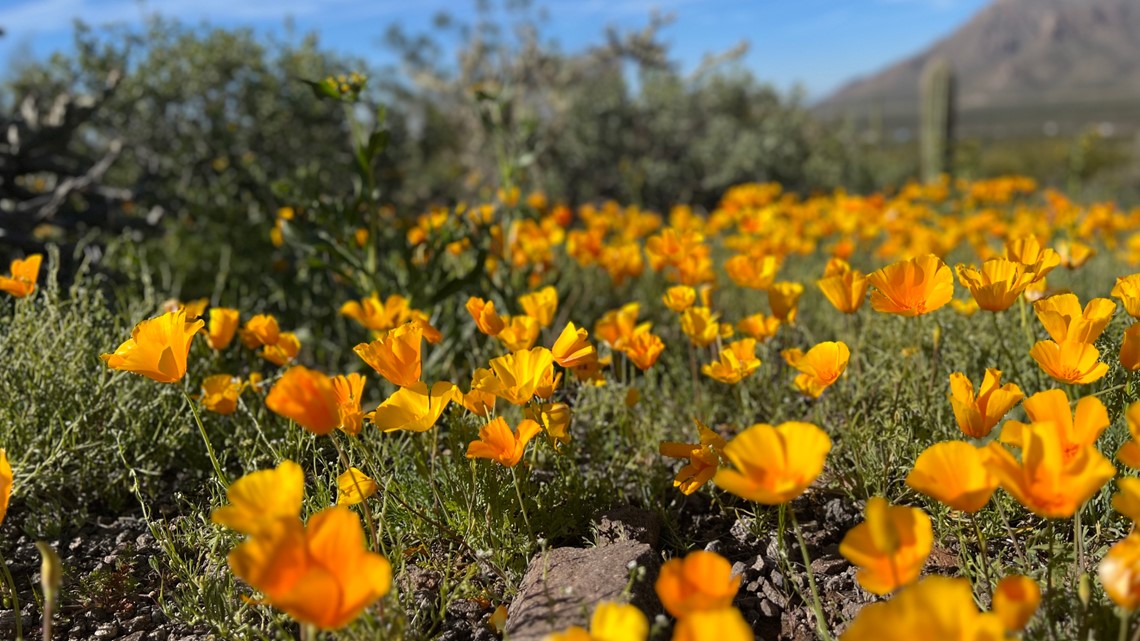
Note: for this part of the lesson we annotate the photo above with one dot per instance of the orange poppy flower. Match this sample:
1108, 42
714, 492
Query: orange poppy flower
158, 348
977, 415
821, 366
498, 443
553, 417
912, 287
519, 333
1028, 251
618, 325
643, 349
699, 582
1069, 362
997, 284
1130, 348
1043, 481
395, 355
759, 326
1119, 572
376, 315
223, 325
725, 624
610, 622
485, 317
703, 457
289, 563
736, 362
306, 397
284, 350
1016, 598
354, 486
349, 392
889, 547
22, 276
1076, 428
5, 484
260, 330
1127, 500
220, 393
1129, 453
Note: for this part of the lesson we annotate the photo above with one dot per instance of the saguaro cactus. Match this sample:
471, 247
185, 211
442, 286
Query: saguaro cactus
936, 128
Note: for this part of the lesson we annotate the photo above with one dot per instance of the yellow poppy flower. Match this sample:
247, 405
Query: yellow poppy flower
554, 418
774, 465
845, 288
541, 305
414, 408
258, 499
725, 624
376, 315
1063, 318
1130, 348
783, 299
573, 347
679, 298
518, 377
1076, 428
519, 333
354, 486
610, 622
157, 348
1127, 289
1119, 572
284, 350
700, 325
759, 326
936, 607
954, 473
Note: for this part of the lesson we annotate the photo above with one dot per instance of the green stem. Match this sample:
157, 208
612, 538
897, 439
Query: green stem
817, 606
522, 504
363, 499
308, 632
1079, 540
206, 439
1122, 634
985, 555
15, 598
1049, 580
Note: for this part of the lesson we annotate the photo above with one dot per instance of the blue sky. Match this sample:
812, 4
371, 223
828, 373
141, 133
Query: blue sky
818, 44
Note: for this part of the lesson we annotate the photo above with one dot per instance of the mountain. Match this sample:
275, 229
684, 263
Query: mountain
1022, 66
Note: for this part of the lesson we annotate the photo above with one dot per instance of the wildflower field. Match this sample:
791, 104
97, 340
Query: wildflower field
905, 415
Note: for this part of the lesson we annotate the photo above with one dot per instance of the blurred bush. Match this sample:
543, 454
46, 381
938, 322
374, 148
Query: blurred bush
212, 131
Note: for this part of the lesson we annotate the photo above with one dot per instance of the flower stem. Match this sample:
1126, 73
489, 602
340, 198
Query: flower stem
1125, 615
817, 607
308, 632
356, 482
206, 439
15, 598
985, 555
522, 504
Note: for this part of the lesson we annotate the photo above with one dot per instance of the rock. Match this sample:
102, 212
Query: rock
562, 585
134, 636
629, 524
826, 566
